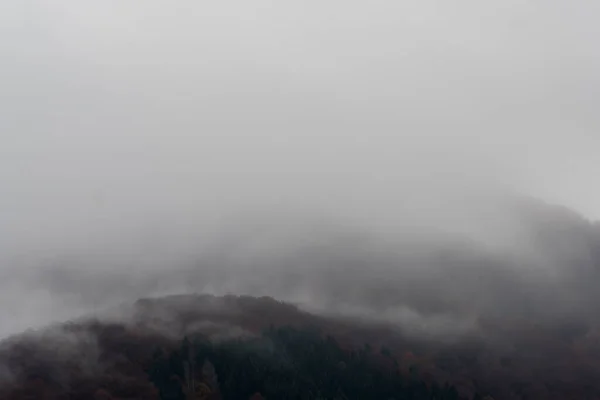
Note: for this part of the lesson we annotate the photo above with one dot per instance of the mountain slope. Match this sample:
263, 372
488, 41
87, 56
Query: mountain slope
246, 339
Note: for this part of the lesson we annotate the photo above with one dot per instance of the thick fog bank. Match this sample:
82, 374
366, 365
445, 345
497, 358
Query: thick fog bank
361, 158
539, 269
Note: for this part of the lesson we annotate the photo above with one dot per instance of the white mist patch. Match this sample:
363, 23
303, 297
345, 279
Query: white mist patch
441, 327
25, 307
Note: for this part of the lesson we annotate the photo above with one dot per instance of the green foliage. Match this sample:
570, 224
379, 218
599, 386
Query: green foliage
287, 363
162, 372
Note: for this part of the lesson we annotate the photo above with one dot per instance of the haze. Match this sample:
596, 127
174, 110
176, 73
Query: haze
132, 133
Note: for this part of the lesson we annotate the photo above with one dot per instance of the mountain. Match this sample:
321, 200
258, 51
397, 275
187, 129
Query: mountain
162, 347
508, 311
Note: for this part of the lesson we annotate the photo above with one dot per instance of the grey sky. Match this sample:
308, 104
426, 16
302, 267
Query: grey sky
122, 116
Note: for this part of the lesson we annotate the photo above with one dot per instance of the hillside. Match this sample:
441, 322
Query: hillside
334, 313
260, 345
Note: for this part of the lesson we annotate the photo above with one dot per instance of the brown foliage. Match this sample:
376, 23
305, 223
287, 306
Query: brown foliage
537, 365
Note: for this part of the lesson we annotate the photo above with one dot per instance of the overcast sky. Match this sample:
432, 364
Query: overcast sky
120, 117
118, 114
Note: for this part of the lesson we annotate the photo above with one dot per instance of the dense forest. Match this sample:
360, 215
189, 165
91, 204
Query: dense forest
241, 347
283, 363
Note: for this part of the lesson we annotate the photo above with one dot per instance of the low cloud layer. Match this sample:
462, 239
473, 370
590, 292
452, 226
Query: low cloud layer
359, 157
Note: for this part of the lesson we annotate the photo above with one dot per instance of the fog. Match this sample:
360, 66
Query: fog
296, 150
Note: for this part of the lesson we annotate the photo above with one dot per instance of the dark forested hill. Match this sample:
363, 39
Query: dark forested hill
184, 347
512, 314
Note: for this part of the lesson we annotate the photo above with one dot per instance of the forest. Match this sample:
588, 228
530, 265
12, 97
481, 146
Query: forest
284, 363
243, 347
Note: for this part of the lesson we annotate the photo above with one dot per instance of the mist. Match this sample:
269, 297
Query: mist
320, 153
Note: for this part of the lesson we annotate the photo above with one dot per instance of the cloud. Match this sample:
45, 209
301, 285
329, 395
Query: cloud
132, 133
